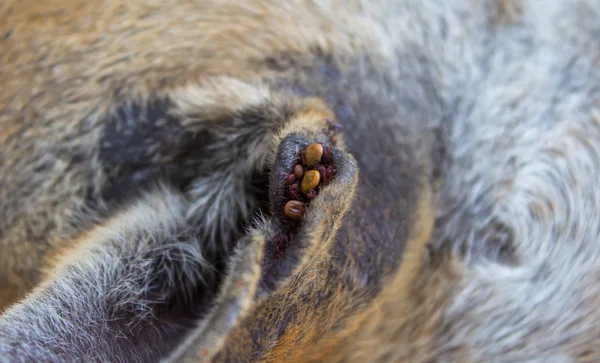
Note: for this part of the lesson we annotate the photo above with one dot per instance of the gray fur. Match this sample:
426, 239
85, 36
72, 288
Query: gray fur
520, 200
96, 307
519, 204
523, 179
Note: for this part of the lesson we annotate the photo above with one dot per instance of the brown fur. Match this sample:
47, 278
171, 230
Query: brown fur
70, 54
375, 333
230, 90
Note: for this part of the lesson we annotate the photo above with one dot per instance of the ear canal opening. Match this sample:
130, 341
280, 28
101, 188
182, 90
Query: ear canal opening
292, 239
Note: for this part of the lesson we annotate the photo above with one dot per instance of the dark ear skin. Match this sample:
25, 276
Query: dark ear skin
260, 268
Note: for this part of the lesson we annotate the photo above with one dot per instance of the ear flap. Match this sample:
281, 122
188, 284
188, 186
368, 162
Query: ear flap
270, 256
320, 222
232, 304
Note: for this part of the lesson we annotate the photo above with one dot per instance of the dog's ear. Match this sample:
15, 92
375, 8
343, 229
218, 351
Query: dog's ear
272, 254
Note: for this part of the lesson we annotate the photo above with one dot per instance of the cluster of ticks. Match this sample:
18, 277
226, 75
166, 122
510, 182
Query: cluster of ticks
314, 170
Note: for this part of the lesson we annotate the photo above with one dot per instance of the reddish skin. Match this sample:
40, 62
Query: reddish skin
312, 194
327, 157
294, 191
322, 172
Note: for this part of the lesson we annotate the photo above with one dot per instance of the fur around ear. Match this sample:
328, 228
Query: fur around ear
262, 266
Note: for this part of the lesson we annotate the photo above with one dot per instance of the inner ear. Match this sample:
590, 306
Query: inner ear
276, 250
303, 218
